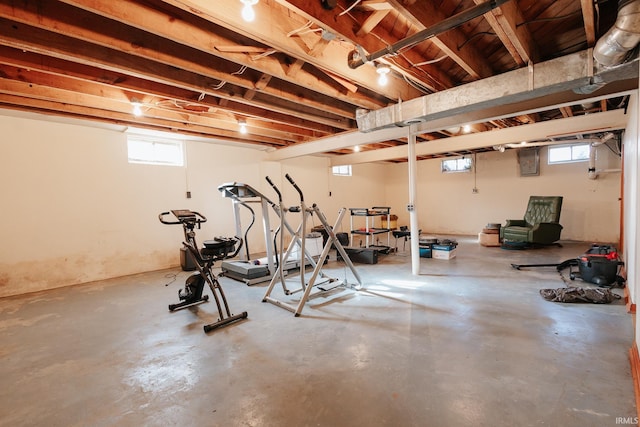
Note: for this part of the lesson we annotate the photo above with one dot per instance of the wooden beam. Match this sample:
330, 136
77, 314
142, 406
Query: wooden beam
101, 98
377, 39
146, 47
517, 39
566, 111
34, 39
177, 25
375, 5
588, 17
124, 117
350, 87
30, 61
273, 31
425, 14
370, 23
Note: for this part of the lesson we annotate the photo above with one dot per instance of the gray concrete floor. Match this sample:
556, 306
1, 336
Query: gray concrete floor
469, 342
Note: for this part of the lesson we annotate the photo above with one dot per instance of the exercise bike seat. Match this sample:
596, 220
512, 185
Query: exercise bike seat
218, 248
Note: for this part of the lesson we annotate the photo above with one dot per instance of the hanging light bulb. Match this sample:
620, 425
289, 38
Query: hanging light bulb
243, 127
137, 107
248, 14
383, 72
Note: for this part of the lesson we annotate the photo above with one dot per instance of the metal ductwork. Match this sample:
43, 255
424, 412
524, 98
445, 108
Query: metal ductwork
612, 48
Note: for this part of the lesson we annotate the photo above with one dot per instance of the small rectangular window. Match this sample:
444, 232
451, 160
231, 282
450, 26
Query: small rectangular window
342, 170
569, 153
456, 165
155, 151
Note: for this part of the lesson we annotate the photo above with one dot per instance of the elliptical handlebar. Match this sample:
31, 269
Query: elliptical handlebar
275, 188
295, 186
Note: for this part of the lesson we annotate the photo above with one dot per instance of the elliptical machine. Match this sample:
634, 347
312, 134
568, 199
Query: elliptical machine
213, 250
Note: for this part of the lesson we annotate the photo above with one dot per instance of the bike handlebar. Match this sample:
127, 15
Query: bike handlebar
184, 216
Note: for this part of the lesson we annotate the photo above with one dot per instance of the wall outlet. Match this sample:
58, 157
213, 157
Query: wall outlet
474, 190
188, 194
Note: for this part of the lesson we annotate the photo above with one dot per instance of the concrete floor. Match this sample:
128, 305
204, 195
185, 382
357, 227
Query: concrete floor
469, 342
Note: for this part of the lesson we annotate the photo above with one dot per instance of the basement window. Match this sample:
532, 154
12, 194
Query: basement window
154, 151
568, 153
342, 170
456, 165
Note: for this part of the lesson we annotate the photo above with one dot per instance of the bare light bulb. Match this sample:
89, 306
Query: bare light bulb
243, 128
248, 14
383, 72
137, 109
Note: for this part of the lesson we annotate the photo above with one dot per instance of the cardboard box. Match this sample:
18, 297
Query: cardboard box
489, 239
439, 254
443, 251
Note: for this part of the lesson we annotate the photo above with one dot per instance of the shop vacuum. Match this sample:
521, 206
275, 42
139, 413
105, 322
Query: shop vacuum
600, 265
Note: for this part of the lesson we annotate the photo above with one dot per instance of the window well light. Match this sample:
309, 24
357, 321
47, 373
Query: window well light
383, 72
248, 14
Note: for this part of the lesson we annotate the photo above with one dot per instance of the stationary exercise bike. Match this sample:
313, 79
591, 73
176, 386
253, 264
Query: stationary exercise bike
204, 258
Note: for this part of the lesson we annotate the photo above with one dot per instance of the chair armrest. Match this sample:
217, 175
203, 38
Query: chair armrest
516, 223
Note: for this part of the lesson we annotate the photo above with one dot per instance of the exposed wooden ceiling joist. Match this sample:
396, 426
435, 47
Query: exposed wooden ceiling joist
199, 68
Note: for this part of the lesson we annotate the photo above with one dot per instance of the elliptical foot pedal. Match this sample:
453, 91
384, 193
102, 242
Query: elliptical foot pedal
329, 285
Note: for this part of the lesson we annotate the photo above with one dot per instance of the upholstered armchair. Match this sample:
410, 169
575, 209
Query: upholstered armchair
541, 223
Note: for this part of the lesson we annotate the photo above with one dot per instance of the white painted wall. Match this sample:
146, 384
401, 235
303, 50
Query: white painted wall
632, 204
447, 204
74, 210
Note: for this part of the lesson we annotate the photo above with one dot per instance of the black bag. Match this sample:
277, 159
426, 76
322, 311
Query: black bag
575, 294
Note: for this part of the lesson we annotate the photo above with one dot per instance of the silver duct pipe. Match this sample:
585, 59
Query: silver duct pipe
612, 48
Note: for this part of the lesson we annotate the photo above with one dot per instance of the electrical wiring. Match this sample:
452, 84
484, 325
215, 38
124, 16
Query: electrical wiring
344, 12
552, 18
298, 30
433, 61
475, 36
224, 82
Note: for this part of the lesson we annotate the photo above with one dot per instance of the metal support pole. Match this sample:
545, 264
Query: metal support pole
412, 207
268, 241
236, 217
